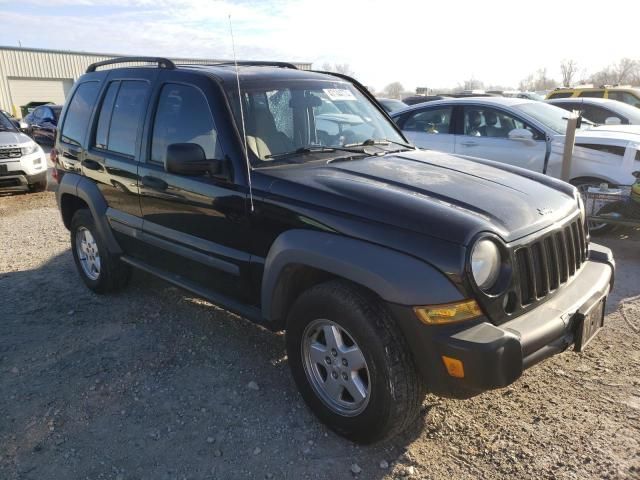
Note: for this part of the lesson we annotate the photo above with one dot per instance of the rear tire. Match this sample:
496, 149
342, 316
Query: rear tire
582, 184
101, 271
391, 384
38, 187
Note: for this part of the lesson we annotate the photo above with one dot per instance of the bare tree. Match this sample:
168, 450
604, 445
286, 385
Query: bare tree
569, 68
625, 69
394, 90
343, 68
471, 84
538, 81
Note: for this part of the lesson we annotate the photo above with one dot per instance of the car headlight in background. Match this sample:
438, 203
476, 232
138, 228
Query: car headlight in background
485, 263
30, 148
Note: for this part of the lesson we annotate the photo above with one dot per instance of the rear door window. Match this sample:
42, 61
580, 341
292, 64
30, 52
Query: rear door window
104, 119
434, 120
129, 105
78, 113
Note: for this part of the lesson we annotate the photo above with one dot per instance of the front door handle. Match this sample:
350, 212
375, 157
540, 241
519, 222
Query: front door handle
469, 144
154, 183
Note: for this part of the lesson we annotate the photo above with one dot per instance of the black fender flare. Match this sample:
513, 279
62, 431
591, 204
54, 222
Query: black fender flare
86, 190
395, 277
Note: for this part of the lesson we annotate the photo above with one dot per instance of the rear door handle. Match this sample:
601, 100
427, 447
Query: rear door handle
69, 154
154, 183
469, 144
91, 165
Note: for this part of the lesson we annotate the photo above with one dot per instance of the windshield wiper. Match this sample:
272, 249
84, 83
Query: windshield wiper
385, 141
313, 149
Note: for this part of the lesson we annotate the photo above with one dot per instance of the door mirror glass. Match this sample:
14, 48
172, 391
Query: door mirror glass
612, 121
521, 134
189, 159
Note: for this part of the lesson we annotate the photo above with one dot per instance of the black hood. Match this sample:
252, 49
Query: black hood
437, 194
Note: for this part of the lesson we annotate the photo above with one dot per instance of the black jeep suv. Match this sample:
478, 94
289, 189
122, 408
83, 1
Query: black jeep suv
290, 198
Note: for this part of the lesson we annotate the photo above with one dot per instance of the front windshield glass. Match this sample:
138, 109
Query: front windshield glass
551, 116
287, 116
5, 123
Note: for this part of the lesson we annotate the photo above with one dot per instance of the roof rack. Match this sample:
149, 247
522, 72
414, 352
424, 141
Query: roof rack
162, 62
258, 63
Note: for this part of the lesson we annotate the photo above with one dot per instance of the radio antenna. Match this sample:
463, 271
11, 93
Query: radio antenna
244, 131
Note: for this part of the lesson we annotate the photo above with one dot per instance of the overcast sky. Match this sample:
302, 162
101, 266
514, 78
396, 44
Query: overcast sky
419, 43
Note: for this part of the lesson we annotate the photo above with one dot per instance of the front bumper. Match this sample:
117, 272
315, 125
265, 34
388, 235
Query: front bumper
20, 181
494, 356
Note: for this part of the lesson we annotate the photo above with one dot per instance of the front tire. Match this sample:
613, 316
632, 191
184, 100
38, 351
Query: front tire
351, 363
101, 271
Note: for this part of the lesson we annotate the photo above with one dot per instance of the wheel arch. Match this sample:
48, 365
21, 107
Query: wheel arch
299, 259
75, 192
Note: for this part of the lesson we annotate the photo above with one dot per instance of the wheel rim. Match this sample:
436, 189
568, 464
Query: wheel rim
88, 255
335, 367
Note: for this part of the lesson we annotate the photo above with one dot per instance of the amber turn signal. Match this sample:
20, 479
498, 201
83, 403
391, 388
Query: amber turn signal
455, 368
448, 312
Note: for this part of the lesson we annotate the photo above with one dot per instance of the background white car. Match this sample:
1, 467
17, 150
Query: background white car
600, 110
524, 133
23, 164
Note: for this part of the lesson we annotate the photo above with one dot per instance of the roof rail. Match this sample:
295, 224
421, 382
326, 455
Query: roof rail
162, 62
257, 63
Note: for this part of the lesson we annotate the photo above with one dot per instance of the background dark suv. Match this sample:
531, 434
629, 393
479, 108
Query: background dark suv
296, 202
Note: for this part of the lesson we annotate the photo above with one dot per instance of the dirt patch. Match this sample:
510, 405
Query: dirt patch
153, 383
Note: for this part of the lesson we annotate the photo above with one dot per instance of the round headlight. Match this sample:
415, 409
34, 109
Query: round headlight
485, 263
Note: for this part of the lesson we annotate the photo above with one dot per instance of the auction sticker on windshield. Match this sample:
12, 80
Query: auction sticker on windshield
339, 94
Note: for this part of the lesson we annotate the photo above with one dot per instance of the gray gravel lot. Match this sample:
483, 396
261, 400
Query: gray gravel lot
153, 383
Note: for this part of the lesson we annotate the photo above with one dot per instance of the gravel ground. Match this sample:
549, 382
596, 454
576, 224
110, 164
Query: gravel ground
153, 383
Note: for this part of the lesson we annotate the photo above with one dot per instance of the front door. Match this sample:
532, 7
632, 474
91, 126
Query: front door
195, 224
485, 134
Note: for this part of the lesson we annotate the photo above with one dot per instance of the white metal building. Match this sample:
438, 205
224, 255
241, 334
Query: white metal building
38, 75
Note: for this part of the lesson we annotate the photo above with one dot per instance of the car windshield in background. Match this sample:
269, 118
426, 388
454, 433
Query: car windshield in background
630, 112
5, 123
551, 116
309, 116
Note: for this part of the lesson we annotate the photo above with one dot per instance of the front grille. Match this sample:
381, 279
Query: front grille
546, 264
10, 153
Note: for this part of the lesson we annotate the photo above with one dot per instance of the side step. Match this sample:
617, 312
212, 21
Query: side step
249, 312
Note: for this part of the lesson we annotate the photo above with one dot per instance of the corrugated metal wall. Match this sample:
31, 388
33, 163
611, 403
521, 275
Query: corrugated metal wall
53, 64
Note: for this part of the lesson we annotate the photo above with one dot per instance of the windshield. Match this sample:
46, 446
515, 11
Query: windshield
632, 113
550, 116
5, 123
291, 115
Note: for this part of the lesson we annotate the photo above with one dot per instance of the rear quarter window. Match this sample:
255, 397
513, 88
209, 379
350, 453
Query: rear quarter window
76, 120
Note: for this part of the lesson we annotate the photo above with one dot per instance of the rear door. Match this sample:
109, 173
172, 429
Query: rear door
430, 127
485, 134
114, 146
195, 225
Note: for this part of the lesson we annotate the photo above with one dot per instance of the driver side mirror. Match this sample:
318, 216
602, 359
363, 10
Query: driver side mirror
521, 135
190, 159
612, 121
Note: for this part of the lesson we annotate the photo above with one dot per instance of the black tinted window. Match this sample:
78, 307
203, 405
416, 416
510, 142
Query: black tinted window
612, 149
592, 93
183, 116
126, 117
105, 115
78, 113
560, 95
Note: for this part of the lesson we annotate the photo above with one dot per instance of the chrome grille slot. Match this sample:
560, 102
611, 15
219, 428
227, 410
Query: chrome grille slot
550, 261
